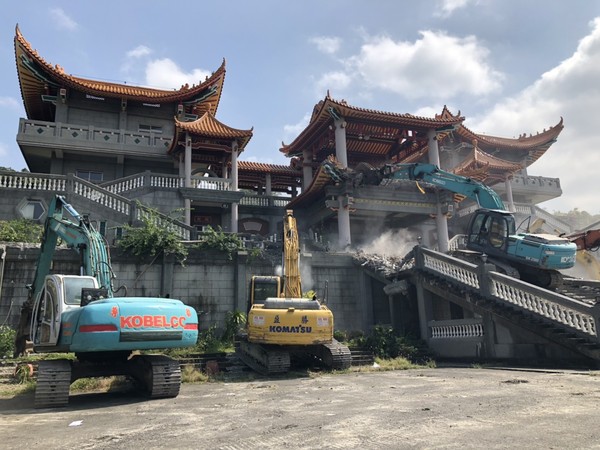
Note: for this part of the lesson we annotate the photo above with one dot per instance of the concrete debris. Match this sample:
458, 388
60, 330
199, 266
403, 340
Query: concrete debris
388, 266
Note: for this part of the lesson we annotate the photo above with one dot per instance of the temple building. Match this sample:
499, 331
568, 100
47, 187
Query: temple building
118, 144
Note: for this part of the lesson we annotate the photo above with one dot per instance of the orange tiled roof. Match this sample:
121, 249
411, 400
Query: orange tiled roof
388, 123
483, 166
38, 77
534, 145
251, 166
209, 126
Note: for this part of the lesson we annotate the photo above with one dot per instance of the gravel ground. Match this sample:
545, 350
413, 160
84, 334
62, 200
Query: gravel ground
414, 409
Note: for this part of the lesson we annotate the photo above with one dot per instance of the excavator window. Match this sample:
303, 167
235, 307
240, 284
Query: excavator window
498, 232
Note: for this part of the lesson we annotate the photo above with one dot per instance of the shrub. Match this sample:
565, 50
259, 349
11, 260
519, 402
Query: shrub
234, 322
7, 341
20, 230
219, 240
385, 342
151, 239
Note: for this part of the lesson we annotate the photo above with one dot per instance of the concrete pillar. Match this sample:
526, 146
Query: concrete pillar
341, 152
509, 194
234, 185
441, 221
188, 161
307, 174
434, 151
343, 214
425, 308
188, 177
268, 184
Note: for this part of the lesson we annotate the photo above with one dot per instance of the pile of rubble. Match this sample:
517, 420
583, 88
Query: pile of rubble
388, 266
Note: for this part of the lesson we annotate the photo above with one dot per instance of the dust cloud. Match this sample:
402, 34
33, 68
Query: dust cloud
391, 243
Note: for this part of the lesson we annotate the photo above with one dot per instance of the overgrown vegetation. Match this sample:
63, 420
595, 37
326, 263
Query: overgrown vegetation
234, 323
386, 343
7, 341
212, 239
152, 238
20, 230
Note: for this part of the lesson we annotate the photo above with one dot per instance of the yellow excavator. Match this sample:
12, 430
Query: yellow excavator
281, 324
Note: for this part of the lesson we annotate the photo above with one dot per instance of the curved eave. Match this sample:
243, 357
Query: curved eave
322, 117
541, 140
272, 169
483, 166
319, 181
209, 127
32, 87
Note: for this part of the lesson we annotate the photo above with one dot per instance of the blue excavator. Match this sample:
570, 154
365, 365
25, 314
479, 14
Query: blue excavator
80, 314
534, 258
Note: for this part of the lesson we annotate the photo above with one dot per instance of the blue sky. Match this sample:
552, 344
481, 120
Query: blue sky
510, 67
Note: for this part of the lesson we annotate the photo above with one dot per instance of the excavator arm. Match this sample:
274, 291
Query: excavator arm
80, 235
586, 240
291, 255
430, 173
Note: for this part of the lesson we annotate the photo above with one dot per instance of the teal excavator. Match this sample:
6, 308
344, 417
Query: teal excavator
79, 314
534, 258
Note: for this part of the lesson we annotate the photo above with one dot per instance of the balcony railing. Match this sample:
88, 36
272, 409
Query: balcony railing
54, 131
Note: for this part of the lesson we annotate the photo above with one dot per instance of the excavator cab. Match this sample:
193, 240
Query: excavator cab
489, 231
263, 287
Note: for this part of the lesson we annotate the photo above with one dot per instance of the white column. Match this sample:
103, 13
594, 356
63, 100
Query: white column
188, 177
188, 160
234, 185
441, 222
307, 174
343, 225
268, 187
509, 194
434, 152
341, 152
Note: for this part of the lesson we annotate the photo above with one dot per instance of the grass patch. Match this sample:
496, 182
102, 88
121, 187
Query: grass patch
99, 384
191, 374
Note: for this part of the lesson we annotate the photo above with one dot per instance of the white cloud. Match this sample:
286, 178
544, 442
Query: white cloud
292, 131
10, 102
164, 73
326, 44
3, 150
436, 66
570, 90
62, 19
447, 7
139, 52
334, 81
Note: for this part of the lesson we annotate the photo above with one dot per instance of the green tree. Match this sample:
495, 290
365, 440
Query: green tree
20, 230
153, 238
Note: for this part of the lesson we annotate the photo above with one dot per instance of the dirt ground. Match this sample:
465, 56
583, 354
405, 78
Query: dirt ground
415, 409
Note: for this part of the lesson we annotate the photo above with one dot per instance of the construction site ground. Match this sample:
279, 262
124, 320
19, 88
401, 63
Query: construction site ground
451, 407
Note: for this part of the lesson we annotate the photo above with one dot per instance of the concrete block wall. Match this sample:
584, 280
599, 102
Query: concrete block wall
210, 282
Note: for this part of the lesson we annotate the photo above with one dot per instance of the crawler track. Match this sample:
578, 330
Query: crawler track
336, 356
264, 359
53, 382
160, 375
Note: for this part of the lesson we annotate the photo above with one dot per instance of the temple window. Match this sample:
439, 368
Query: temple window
90, 175
32, 209
149, 129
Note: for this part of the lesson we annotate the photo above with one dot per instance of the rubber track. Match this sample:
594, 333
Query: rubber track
264, 359
165, 376
53, 382
336, 356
